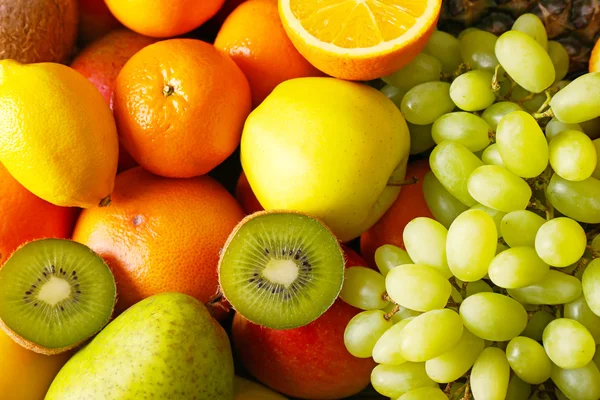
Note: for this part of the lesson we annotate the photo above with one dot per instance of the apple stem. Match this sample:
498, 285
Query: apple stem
105, 202
406, 182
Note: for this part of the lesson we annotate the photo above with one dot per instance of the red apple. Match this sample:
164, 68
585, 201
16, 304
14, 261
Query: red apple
95, 20
309, 362
101, 62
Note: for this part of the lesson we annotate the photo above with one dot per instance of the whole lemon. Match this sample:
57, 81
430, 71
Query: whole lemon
328, 148
57, 134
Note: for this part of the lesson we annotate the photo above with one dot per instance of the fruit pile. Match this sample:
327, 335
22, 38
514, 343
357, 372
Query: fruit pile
185, 190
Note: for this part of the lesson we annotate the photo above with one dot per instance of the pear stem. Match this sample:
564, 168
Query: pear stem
406, 182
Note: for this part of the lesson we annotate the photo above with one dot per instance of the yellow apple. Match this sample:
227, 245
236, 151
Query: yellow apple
328, 148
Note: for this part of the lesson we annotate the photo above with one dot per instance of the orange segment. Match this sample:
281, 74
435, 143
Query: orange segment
359, 39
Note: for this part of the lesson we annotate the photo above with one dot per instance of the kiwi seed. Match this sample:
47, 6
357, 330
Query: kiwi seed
281, 269
55, 294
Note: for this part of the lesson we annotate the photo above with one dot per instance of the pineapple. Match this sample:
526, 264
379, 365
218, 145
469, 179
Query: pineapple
574, 23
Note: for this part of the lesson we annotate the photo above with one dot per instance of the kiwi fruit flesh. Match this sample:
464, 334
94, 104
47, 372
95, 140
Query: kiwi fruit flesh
281, 269
55, 294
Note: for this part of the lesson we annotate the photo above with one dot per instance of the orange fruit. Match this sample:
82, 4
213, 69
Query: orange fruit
101, 62
180, 106
161, 235
255, 39
595, 58
359, 40
160, 18
410, 204
25, 217
246, 197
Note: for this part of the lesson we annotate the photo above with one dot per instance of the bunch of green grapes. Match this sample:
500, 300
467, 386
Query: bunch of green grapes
499, 296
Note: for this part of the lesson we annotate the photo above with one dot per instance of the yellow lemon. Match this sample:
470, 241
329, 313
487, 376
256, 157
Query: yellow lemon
329, 148
57, 134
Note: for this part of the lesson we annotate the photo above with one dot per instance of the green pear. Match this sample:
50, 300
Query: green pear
329, 148
165, 347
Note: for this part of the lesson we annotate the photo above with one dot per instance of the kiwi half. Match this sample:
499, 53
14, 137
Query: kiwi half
281, 269
55, 294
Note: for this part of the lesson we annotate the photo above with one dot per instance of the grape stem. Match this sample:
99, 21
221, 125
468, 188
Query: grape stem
448, 389
389, 315
406, 182
492, 136
580, 264
495, 81
467, 395
546, 114
462, 290
546, 103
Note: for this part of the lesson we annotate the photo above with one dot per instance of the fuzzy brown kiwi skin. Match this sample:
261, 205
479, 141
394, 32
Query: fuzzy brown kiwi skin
266, 212
38, 30
36, 348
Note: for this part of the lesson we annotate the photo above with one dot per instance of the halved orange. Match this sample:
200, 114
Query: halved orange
595, 58
359, 39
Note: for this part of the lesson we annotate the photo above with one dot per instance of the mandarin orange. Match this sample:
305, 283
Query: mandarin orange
25, 217
180, 106
245, 195
254, 37
159, 18
161, 235
410, 204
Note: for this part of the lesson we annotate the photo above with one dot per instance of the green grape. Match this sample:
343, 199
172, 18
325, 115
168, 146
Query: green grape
464, 32
444, 207
529, 360
595, 245
454, 363
568, 343
493, 316
582, 313
597, 356
522, 144
477, 229
520, 227
579, 101
494, 113
418, 342
531, 25
495, 214
425, 393
426, 102
478, 287
555, 288
525, 60
491, 156
465, 128
394, 94
395, 380
536, 325
445, 48
363, 331
490, 375
572, 155
517, 389
591, 285
578, 384
472, 91
596, 173
500, 248
560, 59
363, 288
498, 188
387, 348
477, 50
577, 200
560, 242
554, 127
452, 163
591, 127
389, 256
517, 267
423, 68
418, 287
524, 97
431, 252
420, 138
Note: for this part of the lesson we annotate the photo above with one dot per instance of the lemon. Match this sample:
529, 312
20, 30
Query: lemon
57, 134
327, 148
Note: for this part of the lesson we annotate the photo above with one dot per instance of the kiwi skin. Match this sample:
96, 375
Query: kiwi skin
266, 212
41, 349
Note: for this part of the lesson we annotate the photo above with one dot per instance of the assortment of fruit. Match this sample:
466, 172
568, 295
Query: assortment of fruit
304, 199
